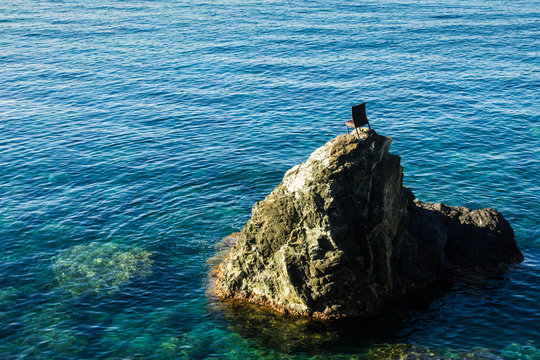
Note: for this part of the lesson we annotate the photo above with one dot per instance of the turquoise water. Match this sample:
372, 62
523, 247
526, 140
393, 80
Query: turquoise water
134, 135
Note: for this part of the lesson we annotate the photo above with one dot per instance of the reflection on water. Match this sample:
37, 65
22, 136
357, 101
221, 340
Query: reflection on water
385, 336
292, 334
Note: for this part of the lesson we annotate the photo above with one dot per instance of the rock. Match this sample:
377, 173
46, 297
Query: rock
98, 268
340, 235
416, 352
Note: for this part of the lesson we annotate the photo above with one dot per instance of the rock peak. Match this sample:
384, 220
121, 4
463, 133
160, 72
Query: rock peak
341, 234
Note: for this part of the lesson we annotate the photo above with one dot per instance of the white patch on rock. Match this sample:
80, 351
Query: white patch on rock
296, 178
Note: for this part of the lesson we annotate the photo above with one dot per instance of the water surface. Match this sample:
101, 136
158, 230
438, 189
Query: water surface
155, 126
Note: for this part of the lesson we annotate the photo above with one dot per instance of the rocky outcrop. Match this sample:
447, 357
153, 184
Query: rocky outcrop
341, 234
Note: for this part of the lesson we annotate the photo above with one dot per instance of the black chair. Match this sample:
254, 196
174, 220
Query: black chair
359, 118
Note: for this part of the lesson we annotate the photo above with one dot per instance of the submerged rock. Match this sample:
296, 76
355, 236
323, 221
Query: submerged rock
97, 268
341, 234
416, 352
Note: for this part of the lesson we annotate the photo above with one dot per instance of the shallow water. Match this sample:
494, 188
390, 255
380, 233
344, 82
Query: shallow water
156, 125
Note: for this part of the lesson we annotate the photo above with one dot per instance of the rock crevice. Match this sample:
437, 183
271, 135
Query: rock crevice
341, 234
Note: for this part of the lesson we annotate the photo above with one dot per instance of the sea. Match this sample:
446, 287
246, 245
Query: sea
136, 134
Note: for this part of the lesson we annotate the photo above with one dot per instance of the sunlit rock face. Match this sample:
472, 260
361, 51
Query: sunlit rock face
341, 234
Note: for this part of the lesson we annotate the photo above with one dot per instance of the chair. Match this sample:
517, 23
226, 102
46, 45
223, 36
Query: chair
359, 118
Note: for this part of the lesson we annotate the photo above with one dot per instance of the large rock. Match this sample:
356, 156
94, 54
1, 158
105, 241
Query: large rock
341, 234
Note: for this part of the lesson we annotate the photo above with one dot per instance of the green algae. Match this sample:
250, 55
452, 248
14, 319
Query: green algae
99, 268
169, 345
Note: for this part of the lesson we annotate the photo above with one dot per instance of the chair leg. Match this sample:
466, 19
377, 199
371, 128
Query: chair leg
347, 129
357, 134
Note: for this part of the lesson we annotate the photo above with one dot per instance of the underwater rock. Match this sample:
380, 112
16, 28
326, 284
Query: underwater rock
97, 268
402, 352
416, 352
9, 295
340, 235
45, 330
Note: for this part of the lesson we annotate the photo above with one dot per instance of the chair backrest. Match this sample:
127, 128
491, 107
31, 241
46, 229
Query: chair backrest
359, 115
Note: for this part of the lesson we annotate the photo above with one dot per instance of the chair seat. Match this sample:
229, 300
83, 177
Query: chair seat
350, 123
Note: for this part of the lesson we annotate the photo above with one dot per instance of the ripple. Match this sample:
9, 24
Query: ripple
157, 125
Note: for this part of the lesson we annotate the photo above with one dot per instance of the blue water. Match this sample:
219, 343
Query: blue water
156, 125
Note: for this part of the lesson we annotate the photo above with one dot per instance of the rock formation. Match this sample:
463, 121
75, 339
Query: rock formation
341, 234
100, 267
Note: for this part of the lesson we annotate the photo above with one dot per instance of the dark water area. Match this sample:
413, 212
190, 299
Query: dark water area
134, 135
